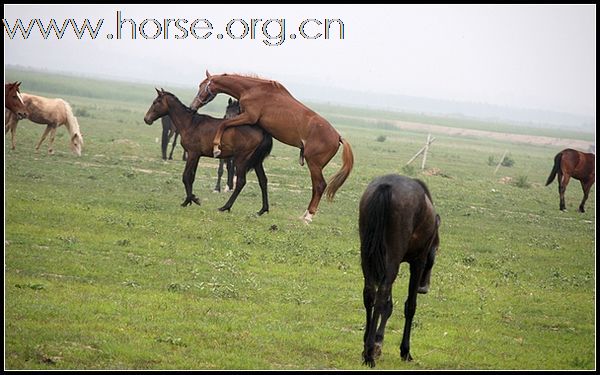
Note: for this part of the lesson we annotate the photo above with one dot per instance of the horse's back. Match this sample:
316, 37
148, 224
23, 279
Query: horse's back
45, 110
578, 164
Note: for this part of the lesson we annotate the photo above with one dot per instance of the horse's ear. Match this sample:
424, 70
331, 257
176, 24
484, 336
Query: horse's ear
230, 101
157, 91
208, 74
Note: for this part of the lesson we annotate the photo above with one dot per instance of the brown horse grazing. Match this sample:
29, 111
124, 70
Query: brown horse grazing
270, 105
13, 100
248, 145
579, 165
397, 223
51, 112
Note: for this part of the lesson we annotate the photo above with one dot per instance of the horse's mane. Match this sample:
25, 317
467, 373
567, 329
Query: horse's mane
187, 109
256, 77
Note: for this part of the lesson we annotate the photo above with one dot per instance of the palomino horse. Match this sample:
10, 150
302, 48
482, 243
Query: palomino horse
51, 112
233, 109
579, 165
13, 100
248, 145
270, 105
397, 223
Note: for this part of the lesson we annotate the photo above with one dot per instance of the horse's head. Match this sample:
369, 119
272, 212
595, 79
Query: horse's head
205, 93
13, 100
233, 108
159, 107
77, 143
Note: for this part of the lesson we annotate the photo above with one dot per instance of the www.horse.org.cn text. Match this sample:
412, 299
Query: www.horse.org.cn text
272, 32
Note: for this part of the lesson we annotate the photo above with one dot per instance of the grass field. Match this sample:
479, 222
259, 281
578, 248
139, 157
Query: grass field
105, 270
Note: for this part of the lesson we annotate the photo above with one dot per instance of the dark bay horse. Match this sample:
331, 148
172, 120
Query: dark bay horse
579, 165
397, 223
271, 106
13, 101
248, 145
52, 112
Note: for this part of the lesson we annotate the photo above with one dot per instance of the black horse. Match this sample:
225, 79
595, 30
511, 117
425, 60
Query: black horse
397, 223
168, 130
233, 109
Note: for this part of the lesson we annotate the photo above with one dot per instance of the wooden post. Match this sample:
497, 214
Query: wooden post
501, 160
423, 149
426, 149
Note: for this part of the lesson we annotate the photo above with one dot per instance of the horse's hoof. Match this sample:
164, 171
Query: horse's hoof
423, 289
406, 357
259, 213
223, 209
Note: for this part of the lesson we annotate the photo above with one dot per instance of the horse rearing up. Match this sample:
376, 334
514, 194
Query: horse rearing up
13, 101
579, 165
51, 112
397, 223
248, 145
270, 105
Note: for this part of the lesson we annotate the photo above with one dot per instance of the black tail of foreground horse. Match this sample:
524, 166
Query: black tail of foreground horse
397, 223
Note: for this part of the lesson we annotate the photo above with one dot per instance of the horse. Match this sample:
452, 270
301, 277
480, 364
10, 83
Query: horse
577, 164
51, 112
232, 110
270, 105
168, 131
397, 223
248, 145
13, 100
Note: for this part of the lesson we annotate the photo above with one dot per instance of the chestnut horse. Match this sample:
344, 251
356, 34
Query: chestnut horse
579, 165
50, 112
270, 105
397, 223
13, 100
248, 145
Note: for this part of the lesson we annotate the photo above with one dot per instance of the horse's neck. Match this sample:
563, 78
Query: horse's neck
235, 85
181, 117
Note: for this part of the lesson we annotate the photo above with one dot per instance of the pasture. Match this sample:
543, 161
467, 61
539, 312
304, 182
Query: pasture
105, 270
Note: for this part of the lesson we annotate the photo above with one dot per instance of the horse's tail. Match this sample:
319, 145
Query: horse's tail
340, 177
262, 151
555, 168
372, 249
73, 126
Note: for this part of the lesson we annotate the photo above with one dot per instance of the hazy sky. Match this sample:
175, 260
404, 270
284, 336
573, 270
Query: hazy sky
528, 56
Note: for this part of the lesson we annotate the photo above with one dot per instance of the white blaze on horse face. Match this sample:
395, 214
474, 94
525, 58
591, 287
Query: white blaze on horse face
20, 98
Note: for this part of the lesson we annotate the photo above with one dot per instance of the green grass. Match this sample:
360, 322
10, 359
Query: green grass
104, 269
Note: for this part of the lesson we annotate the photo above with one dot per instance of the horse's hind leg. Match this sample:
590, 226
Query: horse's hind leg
563, 181
51, 140
217, 188
586, 186
262, 181
410, 306
370, 326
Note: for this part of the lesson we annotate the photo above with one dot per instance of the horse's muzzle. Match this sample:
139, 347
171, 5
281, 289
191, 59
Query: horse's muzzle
148, 121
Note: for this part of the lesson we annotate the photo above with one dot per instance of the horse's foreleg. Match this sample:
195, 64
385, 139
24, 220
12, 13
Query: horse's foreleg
410, 306
586, 186
318, 187
44, 135
262, 182
51, 140
173, 146
241, 119
230, 174
189, 175
164, 145
10, 123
